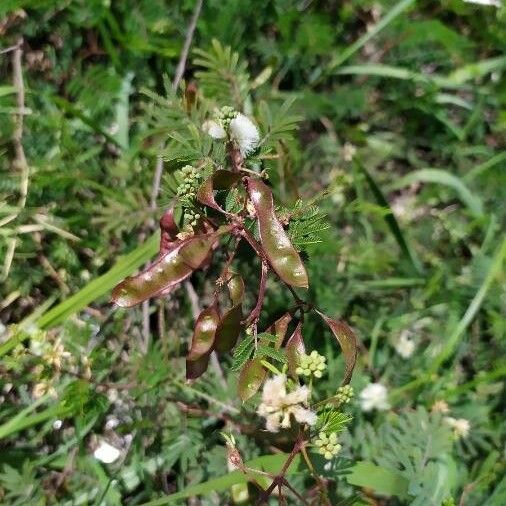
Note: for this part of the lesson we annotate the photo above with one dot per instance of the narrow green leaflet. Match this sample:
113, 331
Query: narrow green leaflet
280, 252
445, 178
392, 223
348, 342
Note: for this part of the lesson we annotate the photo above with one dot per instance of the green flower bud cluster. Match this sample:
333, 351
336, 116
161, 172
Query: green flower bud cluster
225, 115
311, 365
327, 445
191, 217
344, 394
191, 179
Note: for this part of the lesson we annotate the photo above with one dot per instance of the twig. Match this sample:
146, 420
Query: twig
8, 49
157, 177
19, 162
255, 312
186, 46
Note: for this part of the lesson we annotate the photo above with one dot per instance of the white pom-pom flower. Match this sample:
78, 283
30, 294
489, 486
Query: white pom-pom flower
405, 346
277, 405
245, 133
106, 453
460, 426
374, 396
214, 129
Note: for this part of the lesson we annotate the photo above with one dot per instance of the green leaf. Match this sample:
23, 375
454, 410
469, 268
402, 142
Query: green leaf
445, 178
243, 352
380, 480
392, 223
100, 286
269, 463
267, 351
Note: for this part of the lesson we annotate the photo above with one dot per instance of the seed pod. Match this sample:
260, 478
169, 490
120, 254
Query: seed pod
230, 325
294, 348
220, 180
251, 378
167, 271
279, 327
347, 341
196, 368
281, 253
204, 333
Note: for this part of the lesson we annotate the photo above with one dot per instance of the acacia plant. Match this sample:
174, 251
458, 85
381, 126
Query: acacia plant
222, 198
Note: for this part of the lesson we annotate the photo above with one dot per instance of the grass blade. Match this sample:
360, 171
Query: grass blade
445, 178
392, 222
100, 286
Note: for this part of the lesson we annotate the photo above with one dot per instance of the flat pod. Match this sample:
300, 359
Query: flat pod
230, 325
251, 378
220, 180
280, 252
169, 270
204, 333
348, 343
196, 368
294, 347
279, 327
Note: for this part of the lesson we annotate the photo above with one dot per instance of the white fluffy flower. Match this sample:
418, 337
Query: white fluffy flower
106, 453
460, 426
405, 346
245, 133
214, 129
277, 405
374, 396
493, 3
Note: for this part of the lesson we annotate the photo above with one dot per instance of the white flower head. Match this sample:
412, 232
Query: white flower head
405, 346
374, 396
214, 129
277, 405
460, 426
106, 453
493, 3
245, 133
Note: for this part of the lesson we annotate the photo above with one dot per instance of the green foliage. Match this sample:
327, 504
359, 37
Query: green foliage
394, 112
258, 346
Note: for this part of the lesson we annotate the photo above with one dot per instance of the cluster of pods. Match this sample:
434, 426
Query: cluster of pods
181, 254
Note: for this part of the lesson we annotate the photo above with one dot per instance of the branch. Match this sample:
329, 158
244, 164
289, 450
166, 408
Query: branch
186, 47
19, 162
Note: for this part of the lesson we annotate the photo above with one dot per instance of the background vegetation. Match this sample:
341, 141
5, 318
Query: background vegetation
403, 110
